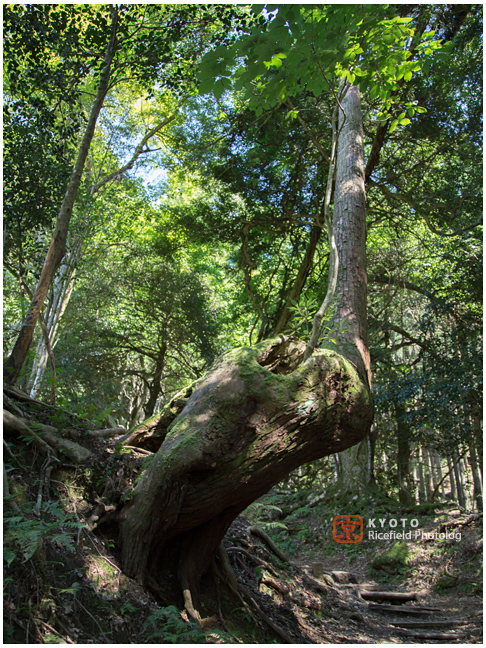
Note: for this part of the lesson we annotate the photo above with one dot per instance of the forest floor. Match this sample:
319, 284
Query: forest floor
63, 582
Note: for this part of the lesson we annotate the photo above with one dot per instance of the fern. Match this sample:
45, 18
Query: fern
273, 525
261, 507
25, 534
167, 626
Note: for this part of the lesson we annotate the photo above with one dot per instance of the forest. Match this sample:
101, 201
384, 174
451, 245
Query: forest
242, 300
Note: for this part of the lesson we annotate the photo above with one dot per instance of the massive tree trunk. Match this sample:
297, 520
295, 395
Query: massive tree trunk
354, 479
57, 247
349, 222
257, 415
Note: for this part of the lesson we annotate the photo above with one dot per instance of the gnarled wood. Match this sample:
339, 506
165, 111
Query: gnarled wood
247, 424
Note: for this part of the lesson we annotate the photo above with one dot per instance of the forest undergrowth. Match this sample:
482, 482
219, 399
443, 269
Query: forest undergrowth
280, 576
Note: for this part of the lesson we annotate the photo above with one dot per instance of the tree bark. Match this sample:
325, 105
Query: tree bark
459, 482
420, 478
256, 416
451, 479
405, 480
349, 222
477, 483
57, 247
355, 471
60, 295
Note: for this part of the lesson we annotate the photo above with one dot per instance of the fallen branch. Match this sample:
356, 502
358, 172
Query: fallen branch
141, 450
270, 543
389, 596
108, 432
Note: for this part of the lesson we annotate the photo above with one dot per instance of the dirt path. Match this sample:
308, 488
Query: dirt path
369, 612
335, 593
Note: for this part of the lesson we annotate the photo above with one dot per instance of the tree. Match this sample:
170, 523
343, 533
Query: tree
139, 44
263, 410
260, 411
57, 247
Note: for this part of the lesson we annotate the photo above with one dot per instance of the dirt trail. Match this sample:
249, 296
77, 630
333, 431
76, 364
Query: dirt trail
335, 595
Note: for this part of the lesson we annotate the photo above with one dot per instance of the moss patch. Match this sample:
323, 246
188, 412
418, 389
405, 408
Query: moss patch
393, 560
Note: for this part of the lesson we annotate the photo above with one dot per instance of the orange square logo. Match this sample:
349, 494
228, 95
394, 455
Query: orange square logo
347, 528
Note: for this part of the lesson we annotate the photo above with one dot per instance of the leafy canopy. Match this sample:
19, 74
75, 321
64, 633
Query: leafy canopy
292, 47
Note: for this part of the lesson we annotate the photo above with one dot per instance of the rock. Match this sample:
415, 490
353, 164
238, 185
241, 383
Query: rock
344, 577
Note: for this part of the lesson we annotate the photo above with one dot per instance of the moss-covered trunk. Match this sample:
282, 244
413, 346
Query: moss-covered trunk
257, 415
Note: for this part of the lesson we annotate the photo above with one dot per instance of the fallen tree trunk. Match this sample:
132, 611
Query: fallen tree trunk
45, 438
257, 415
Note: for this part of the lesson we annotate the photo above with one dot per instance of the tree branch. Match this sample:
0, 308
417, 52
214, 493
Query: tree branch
139, 150
388, 281
409, 201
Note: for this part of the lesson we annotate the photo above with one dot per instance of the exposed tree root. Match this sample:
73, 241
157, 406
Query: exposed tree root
10, 406
188, 604
255, 559
270, 543
17, 426
285, 638
460, 523
238, 589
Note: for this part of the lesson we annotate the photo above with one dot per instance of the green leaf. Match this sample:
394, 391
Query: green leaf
393, 125
206, 86
374, 92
